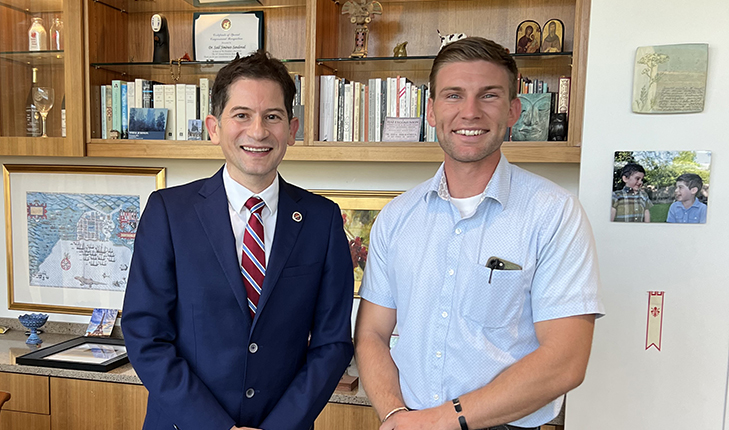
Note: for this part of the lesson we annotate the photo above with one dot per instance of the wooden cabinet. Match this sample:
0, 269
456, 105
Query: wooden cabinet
314, 39
59, 68
29, 406
336, 416
80, 404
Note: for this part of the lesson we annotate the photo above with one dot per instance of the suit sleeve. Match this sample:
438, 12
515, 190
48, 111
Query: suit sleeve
330, 349
150, 330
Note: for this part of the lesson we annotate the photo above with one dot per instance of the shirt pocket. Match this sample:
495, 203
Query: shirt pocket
494, 304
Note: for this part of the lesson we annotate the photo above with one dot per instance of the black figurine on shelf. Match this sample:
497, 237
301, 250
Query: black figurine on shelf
161, 39
558, 127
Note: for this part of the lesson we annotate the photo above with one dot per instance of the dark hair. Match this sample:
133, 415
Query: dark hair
474, 49
631, 168
692, 180
259, 65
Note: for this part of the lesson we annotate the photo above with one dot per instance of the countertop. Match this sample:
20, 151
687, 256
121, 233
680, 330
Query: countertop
12, 345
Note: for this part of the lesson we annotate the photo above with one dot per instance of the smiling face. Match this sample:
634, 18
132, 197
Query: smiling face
635, 181
472, 110
253, 131
684, 194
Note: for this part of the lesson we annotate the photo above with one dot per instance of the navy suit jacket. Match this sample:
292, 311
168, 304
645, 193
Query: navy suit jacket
188, 331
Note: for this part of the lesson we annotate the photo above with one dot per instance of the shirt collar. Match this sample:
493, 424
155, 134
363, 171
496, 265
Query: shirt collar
238, 195
497, 189
627, 189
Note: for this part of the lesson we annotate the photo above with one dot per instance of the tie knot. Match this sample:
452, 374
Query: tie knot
255, 204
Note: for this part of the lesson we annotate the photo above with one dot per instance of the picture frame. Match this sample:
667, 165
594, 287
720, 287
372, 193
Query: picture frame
528, 37
221, 36
81, 353
70, 233
359, 211
553, 36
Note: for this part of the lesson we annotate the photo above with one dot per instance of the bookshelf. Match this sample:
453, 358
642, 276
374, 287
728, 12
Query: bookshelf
114, 41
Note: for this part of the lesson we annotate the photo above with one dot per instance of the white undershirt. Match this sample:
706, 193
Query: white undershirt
467, 206
239, 214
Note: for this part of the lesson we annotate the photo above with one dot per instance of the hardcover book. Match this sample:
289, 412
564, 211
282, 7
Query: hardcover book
146, 123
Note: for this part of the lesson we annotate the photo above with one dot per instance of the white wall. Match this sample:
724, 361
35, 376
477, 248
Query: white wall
683, 385
309, 175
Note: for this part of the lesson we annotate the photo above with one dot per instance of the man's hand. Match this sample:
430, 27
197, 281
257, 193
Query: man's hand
427, 419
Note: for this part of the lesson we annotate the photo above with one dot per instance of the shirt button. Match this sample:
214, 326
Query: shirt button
250, 392
458, 231
445, 314
253, 348
451, 272
439, 354
436, 397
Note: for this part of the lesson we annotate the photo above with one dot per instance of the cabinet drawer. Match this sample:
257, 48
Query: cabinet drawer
11, 420
30, 393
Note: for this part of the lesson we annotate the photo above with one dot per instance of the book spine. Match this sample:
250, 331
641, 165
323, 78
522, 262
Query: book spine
377, 109
413, 101
147, 94
371, 110
363, 113
124, 112
96, 114
340, 111
102, 105
348, 109
204, 104
563, 100
383, 109
116, 106
158, 96
326, 114
171, 105
138, 93
130, 95
190, 105
356, 101
109, 112
181, 115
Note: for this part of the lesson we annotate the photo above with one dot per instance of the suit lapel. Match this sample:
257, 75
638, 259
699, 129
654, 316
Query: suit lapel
287, 231
215, 219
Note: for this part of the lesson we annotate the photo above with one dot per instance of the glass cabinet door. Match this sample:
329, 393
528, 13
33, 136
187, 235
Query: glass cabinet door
35, 74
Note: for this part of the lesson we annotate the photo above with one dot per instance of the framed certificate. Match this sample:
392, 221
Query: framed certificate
81, 353
220, 36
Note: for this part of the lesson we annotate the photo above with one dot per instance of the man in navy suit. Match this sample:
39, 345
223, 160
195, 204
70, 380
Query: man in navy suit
212, 353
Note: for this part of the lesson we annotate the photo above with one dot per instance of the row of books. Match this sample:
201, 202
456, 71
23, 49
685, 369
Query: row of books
186, 105
561, 100
531, 86
357, 112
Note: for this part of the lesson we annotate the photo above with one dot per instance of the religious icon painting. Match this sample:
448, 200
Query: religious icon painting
528, 37
553, 36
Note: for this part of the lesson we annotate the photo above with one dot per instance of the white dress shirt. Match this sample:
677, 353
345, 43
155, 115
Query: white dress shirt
238, 195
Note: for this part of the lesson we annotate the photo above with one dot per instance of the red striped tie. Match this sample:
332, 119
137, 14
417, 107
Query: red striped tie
253, 260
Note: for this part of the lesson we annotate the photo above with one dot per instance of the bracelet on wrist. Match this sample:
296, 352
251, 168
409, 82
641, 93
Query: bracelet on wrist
461, 418
394, 411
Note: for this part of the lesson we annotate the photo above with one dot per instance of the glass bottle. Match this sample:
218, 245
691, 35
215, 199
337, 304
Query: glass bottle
57, 36
37, 36
32, 116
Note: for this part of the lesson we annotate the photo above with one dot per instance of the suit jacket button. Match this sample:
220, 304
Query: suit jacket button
250, 393
253, 347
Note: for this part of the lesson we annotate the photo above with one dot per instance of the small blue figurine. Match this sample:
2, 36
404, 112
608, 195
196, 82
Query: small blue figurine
33, 322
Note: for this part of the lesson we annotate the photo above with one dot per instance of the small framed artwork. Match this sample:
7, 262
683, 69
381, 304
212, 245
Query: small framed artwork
359, 211
70, 234
528, 37
81, 353
102, 322
222, 36
553, 36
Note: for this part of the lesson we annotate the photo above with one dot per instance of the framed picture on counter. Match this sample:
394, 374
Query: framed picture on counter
70, 234
81, 353
359, 210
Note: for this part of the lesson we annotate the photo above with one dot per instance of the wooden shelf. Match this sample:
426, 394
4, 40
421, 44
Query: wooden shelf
423, 152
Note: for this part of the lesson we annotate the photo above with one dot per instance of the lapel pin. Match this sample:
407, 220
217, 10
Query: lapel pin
296, 216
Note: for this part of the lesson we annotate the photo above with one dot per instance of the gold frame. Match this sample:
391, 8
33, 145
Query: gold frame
160, 182
359, 200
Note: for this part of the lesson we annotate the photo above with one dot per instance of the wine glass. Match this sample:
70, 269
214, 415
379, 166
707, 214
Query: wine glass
43, 99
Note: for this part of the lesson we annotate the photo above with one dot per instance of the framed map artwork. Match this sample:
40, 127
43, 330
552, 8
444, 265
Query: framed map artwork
359, 210
70, 234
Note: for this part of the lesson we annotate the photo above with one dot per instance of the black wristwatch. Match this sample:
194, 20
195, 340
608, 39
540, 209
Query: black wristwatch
461, 418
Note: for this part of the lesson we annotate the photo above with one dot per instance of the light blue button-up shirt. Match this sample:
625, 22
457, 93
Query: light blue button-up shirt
694, 214
459, 323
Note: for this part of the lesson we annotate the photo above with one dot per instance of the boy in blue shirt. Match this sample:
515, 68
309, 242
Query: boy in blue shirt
687, 208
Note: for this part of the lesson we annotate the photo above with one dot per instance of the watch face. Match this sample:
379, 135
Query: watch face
156, 22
